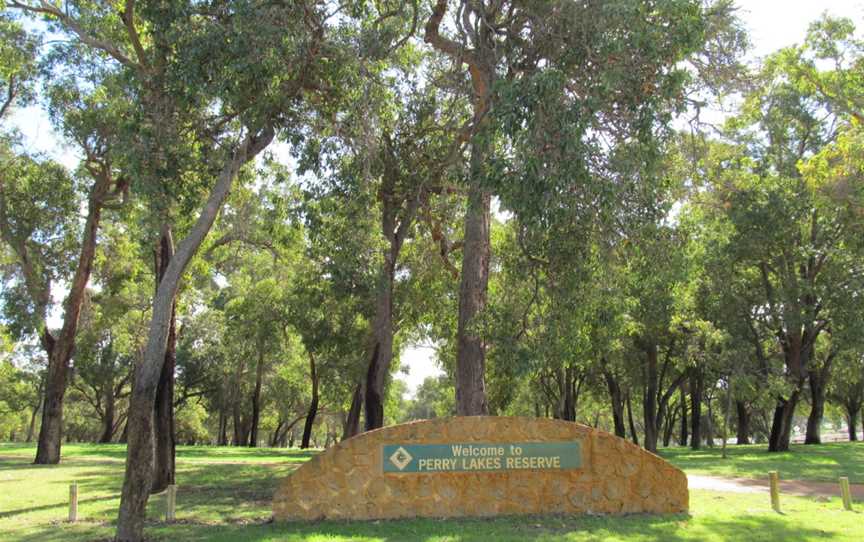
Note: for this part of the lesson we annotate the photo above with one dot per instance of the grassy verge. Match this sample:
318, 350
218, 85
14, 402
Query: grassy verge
822, 463
225, 495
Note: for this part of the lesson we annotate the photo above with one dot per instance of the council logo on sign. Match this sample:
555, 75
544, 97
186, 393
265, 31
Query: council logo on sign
401, 458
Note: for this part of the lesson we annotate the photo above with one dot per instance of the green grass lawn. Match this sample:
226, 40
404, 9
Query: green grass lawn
823, 463
224, 494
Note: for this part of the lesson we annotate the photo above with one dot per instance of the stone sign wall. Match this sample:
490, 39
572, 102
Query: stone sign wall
481, 466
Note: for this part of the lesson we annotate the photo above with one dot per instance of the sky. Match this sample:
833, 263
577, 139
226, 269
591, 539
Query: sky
772, 24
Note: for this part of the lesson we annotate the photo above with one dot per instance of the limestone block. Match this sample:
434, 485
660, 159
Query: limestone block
348, 480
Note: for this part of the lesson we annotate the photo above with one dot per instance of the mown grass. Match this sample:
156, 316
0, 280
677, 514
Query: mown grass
823, 463
224, 494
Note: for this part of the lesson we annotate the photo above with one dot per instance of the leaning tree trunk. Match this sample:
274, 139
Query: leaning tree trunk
697, 384
140, 449
352, 422
163, 422
617, 400
313, 405
256, 400
60, 350
743, 435
32, 427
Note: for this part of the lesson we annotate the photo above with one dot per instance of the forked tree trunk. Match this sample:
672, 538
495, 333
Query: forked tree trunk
781, 428
163, 421
140, 450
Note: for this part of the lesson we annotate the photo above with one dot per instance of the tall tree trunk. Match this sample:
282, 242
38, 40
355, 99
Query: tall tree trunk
163, 409
682, 439
617, 400
138, 477
60, 349
470, 347
352, 422
743, 436
649, 399
709, 424
697, 384
313, 405
256, 399
633, 434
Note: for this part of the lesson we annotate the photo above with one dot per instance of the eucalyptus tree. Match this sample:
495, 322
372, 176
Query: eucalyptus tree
198, 100
552, 77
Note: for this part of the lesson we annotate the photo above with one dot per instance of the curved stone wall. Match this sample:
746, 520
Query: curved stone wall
577, 469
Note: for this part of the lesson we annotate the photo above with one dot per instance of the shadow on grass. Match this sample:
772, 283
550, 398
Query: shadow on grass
532, 528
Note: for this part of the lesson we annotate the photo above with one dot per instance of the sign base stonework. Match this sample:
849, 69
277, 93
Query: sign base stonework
481, 466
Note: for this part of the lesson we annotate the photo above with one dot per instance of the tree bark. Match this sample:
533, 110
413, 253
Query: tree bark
617, 400
633, 434
32, 427
163, 422
352, 422
852, 417
471, 349
649, 399
60, 350
743, 435
313, 405
682, 439
781, 428
256, 400
697, 384
818, 378
140, 450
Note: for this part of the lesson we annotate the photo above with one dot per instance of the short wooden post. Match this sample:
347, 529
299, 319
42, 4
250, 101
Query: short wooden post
775, 490
170, 503
73, 502
845, 493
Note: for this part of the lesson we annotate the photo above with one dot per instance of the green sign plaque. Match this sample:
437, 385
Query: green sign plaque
481, 457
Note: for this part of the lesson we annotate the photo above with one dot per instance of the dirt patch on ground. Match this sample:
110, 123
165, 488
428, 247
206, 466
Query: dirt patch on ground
792, 487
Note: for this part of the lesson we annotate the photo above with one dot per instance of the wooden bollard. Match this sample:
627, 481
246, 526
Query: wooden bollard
775, 490
170, 503
73, 502
845, 493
